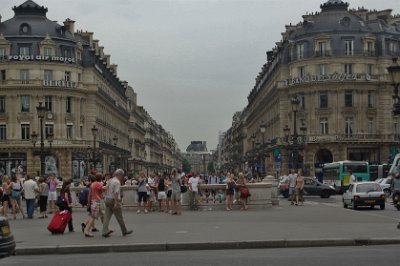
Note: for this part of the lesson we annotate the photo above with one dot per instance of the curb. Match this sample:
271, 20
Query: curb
182, 246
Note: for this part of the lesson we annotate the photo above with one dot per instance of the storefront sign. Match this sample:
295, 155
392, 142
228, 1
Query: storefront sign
41, 58
60, 83
322, 78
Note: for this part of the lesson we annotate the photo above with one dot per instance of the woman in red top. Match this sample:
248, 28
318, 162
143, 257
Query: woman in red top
95, 199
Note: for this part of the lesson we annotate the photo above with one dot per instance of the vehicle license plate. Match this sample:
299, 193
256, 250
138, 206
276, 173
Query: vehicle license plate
5, 230
370, 201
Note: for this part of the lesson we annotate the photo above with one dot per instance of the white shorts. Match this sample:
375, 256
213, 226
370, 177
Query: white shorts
162, 195
52, 195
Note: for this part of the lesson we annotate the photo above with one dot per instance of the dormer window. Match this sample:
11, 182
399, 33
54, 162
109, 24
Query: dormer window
349, 47
24, 50
47, 51
300, 51
24, 29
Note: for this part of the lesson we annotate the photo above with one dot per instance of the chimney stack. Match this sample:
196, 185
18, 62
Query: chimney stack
69, 25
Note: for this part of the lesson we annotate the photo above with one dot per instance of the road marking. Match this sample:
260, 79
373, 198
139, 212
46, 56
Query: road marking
181, 232
334, 205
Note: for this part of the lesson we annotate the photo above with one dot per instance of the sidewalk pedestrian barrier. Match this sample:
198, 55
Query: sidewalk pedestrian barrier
261, 196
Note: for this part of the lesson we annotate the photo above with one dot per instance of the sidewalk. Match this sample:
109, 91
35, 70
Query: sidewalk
284, 226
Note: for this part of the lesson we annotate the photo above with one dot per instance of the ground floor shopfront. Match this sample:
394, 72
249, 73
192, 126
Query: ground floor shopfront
312, 156
73, 162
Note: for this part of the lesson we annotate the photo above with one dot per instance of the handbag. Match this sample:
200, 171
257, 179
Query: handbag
183, 188
61, 203
244, 192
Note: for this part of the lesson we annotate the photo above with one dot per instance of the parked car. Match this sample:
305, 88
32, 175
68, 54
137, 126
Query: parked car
385, 184
312, 187
7, 243
364, 194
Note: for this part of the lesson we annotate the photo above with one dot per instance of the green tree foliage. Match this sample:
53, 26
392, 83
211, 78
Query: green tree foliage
186, 167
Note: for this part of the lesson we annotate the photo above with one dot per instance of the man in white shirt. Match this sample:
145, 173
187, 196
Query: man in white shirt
292, 185
113, 204
30, 190
194, 191
352, 178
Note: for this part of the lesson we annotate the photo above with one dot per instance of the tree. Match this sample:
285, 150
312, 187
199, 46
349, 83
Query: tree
210, 167
186, 167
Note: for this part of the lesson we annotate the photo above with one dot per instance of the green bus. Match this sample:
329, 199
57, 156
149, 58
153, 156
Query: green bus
336, 174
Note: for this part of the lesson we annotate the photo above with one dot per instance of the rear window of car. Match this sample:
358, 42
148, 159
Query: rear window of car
368, 187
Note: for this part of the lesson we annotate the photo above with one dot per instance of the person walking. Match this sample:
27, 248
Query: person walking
292, 185
113, 204
53, 182
299, 189
176, 192
230, 191
161, 195
44, 194
65, 195
352, 178
16, 194
95, 200
30, 189
194, 182
5, 198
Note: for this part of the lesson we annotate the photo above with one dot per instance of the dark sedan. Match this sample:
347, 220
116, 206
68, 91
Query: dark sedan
312, 187
7, 243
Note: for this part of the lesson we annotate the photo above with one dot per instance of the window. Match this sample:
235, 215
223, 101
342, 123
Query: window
396, 129
322, 69
323, 122
370, 125
2, 104
300, 51
3, 74
81, 131
25, 132
48, 51
48, 75
370, 48
2, 53
49, 129
323, 99
48, 103
25, 103
68, 104
348, 98
67, 76
370, 69
348, 126
302, 98
392, 48
79, 77
348, 68
322, 49
3, 132
301, 72
24, 74
69, 132
370, 99
348, 47
24, 50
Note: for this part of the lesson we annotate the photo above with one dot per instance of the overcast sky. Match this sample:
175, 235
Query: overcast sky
192, 62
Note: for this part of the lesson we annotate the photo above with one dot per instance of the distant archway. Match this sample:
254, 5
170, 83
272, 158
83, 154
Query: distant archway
323, 156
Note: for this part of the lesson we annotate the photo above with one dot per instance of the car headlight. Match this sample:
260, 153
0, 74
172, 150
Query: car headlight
331, 187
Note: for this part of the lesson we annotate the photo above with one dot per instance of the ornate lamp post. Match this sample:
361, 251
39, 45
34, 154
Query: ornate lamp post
41, 112
394, 71
94, 130
263, 127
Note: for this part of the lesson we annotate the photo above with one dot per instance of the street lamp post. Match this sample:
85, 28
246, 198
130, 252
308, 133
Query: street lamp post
95, 130
262, 130
394, 71
294, 146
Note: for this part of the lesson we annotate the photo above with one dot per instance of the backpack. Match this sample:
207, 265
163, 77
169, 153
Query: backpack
83, 196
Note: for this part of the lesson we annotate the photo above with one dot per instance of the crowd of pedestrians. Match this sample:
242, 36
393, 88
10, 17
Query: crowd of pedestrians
104, 196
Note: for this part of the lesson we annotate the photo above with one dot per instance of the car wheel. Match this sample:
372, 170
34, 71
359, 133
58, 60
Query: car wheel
372, 206
344, 205
382, 206
353, 204
387, 193
325, 194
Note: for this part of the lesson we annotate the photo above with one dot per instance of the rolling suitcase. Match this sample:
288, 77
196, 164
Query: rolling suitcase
59, 222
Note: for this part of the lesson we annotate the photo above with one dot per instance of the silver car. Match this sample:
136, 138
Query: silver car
385, 184
364, 194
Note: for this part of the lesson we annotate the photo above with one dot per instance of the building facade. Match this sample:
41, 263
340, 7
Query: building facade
334, 63
88, 109
198, 157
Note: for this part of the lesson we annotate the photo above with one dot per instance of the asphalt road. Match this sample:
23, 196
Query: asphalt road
336, 256
336, 202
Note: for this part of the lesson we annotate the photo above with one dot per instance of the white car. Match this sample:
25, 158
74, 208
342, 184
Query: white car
385, 184
364, 194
